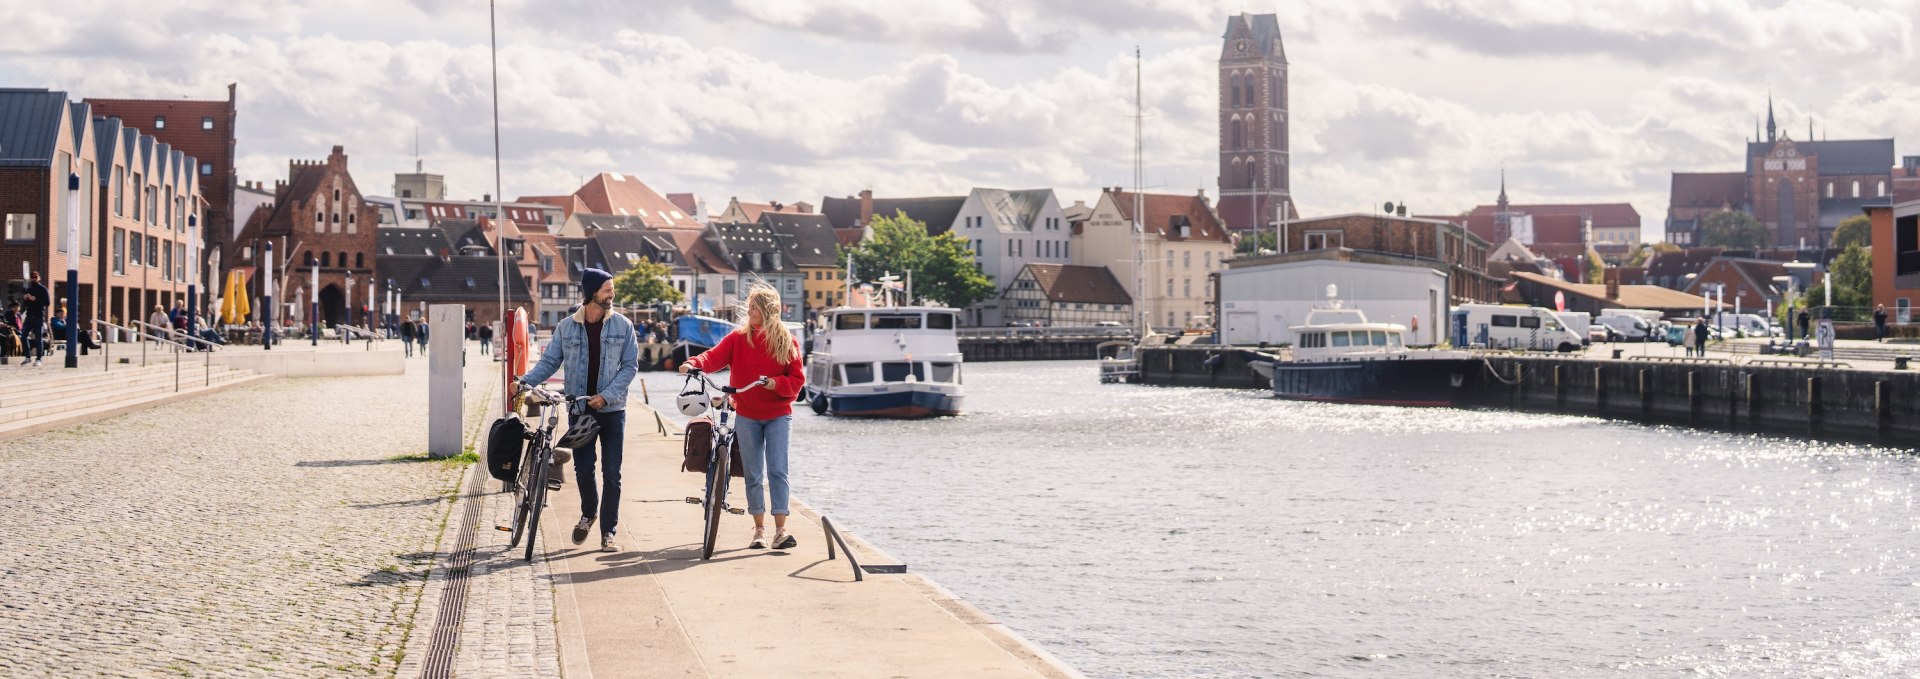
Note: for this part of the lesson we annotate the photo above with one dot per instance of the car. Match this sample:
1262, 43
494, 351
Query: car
1599, 333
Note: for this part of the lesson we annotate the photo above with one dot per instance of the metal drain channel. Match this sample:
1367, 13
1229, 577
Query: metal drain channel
453, 599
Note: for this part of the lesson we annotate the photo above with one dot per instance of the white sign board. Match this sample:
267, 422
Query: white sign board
447, 324
1823, 336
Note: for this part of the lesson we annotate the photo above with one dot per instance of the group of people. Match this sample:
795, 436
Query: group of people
601, 354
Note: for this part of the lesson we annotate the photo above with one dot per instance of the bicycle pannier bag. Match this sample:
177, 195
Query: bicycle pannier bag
506, 440
698, 442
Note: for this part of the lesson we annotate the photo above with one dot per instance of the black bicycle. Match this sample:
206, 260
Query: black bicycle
719, 457
530, 486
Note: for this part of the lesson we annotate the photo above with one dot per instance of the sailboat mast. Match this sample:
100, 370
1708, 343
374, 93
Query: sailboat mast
1139, 204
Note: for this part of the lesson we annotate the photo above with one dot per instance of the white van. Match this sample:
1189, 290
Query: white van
1629, 324
1496, 326
1750, 325
1577, 321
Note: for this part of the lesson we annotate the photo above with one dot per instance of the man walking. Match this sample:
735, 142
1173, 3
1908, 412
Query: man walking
1880, 323
406, 336
601, 364
34, 324
1806, 319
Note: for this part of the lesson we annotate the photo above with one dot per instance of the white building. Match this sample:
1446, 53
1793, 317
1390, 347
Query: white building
1184, 243
1261, 297
1007, 230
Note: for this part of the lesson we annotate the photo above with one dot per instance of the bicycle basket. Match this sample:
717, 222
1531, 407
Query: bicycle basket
506, 441
699, 442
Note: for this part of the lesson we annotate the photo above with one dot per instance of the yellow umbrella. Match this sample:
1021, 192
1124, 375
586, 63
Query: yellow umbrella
241, 307
226, 299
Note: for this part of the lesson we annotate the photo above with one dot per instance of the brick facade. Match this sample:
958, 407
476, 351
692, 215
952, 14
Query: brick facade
1448, 247
150, 210
319, 220
36, 188
1255, 155
203, 129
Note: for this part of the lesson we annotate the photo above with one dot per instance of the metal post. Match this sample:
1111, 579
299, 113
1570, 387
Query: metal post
73, 269
313, 296
266, 300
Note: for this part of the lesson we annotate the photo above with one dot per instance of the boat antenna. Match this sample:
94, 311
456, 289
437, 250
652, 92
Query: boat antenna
1139, 205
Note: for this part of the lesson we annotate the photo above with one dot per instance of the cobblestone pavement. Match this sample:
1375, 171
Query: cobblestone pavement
276, 529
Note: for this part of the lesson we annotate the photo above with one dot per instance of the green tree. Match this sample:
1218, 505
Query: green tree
1856, 229
1263, 240
644, 283
942, 266
1734, 231
1596, 266
1639, 255
1852, 278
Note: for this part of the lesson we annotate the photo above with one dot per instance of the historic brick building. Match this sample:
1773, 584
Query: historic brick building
45, 139
150, 213
1254, 149
1444, 246
318, 220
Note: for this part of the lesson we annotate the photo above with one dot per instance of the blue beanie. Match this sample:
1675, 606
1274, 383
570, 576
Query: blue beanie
591, 280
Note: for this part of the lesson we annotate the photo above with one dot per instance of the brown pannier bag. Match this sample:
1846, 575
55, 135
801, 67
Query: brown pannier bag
699, 442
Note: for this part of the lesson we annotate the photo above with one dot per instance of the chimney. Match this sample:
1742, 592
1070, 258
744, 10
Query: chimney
866, 206
1612, 277
1912, 165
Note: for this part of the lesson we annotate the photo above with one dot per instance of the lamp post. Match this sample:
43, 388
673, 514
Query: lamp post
73, 270
349, 308
266, 299
1787, 312
313, 297
193, 268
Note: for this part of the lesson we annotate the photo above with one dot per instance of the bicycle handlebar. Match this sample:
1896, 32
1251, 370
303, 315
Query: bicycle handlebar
697, 374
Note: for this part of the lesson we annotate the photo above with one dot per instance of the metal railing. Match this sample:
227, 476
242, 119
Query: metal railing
194, 343
106, 350
1049, 332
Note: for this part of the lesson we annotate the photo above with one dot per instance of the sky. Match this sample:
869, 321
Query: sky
1421, 102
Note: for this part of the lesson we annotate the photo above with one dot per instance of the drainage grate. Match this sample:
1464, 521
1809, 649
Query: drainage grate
446, 626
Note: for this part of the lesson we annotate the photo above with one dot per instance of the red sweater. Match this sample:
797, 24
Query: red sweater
749, 364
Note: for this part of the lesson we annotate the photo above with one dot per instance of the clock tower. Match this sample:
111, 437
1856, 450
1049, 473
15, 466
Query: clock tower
1254, 160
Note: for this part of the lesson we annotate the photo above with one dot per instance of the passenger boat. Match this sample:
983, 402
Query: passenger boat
696, 335
887, 361
1341, 357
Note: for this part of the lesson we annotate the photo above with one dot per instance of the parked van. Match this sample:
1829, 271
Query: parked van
1578, 322
1749, 325
1630, 324
1496, 326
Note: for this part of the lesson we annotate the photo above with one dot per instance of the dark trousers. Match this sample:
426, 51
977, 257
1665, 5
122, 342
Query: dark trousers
407, 343
606, 453
36, 340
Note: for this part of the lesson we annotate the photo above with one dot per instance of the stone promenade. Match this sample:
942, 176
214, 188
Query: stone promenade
284, 528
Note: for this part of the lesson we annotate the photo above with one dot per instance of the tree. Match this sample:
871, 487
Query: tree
942, 266
1856, 229
1851, 277
1639, 255
1596, 266
644, 283
1251, 245
1666, 247
1734, 231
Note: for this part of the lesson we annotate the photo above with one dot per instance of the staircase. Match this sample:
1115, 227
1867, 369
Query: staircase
1843, 351
35, 399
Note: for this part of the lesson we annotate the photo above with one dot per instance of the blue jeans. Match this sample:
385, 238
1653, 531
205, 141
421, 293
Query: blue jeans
763, 449
36, 340
609, 449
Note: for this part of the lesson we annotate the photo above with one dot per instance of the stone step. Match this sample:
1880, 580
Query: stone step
97, 383
14, 376
81, 415
78, 402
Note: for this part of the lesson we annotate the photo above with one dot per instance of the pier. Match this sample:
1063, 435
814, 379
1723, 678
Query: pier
1036, 344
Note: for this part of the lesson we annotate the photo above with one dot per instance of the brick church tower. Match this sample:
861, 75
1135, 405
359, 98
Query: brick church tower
1254, 158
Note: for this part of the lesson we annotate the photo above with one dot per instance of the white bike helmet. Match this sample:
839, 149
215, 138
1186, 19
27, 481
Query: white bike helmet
692, 403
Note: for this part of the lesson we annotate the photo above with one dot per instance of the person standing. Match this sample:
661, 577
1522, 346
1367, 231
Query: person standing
766, 368
33, 324
601, 355
1806, 319
406, 336
420, 336
485, 333
1880, 323
1700, 338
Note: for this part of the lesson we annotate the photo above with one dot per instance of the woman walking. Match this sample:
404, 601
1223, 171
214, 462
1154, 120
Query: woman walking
761, 348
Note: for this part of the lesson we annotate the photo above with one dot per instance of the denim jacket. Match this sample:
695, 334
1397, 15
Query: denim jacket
619, 358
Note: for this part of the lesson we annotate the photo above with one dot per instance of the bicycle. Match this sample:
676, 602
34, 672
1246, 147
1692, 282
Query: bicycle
719, 457
530, 486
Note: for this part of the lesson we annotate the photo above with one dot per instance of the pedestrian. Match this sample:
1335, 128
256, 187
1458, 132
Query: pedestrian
1700, 338
1880, 323
1805, 320
158, 319
602, 373
766, 369
10, 335
486, 337
33, 325
420, 336
406, 336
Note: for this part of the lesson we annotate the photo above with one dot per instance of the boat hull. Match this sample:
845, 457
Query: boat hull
1433, 382
903, 404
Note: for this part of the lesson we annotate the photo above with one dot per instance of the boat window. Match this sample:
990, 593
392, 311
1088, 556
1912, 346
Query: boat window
940, 321
881, 322
817, 374
898, 371
1529, 321
850, 322
1379, 338
1312, 340
945, 372
1501, 321
858, 373
1339, 338
1393, 340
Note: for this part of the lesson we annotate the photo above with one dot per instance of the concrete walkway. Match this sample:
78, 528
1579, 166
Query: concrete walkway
656, 610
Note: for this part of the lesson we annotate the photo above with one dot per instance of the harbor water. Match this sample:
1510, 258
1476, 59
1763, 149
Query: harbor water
1147, 532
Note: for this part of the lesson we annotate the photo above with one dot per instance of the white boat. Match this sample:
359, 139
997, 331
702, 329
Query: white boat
1340, 356
1118, 363
888, 361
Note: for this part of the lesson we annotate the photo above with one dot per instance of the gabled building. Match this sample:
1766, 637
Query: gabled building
612, 193
1612, 229
47, 144
758, 256
203, 129
318, 220
939, 213
739, 212
810, 244
148, 211
1184, 244
1695, 196
1006, 230
1066, 295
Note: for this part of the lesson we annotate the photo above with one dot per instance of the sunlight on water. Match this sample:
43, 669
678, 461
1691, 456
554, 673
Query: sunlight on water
1139, 531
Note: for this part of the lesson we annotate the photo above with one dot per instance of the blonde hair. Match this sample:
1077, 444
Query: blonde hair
773, 334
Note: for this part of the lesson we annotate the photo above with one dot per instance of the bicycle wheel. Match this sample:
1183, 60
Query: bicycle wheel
716, 494
522, 493
537, 495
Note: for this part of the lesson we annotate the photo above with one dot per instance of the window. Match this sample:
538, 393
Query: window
1186, 259
206, 123
1881, 191
1340, 339
120, 251
727, 286
1829, 189
850, 322
940, 321
180, 262
1503, 321
406, 193
1186, 287
896, 322
898, 371
1312, 340
166, 263
1856, 188
945, 372
206, 169
133, 250
1169, 287
22, 227
119, 191
336, 194
858, 373
153, 206
1530, 322
159, 122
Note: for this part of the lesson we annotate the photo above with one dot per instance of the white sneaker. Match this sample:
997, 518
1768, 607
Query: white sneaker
784, 540
759, 539
36, 363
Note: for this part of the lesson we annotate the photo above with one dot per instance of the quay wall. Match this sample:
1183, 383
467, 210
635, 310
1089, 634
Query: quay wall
1869, 406
984, 349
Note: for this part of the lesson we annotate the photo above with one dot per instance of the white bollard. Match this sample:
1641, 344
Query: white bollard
446, 323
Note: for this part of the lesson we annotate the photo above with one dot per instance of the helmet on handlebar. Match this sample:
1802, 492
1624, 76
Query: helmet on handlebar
692, 403
580, 431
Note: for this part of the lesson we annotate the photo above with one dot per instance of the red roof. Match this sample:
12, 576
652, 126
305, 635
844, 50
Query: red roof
1164, 210
685, 201
612, 193
1605, 215
1709, 190
1557, 229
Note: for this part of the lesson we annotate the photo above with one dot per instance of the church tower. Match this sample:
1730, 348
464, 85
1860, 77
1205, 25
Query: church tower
1254, 159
